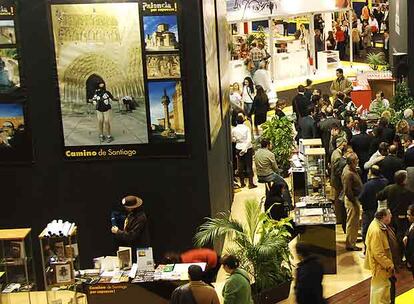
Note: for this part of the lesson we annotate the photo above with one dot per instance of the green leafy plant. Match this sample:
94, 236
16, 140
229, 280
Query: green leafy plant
261, 244
402, 99
279, 131
376, 60
259, 36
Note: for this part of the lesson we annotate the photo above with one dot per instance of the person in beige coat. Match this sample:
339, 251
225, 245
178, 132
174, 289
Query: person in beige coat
196, 291
379, 258
341, 84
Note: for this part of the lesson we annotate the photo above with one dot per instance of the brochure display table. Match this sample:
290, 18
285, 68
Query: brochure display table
155, 287
315, 223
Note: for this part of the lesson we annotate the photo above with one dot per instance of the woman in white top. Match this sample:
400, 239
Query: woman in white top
242, 137
248, 95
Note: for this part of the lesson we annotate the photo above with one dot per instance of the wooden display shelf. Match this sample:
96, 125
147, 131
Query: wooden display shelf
14, 234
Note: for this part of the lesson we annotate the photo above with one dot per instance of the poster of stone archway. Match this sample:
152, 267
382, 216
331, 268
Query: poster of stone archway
100, 73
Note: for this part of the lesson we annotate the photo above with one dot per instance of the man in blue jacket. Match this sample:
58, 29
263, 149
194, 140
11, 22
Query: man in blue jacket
368, 197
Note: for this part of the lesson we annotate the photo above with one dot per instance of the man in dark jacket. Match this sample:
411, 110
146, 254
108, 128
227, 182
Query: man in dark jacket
398, 198
307, 126
361, 144
309, 276
368, 197
195, 292
408, 240
135, 233
391, 164
326, 126
300, 103
388, 132
409, 153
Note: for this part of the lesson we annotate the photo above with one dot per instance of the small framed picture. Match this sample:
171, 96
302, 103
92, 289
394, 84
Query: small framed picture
63, 273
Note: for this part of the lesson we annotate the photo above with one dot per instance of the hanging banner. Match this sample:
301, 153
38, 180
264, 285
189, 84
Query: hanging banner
243, 10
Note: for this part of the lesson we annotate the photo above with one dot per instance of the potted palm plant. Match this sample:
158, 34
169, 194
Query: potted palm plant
262, 246
376, 60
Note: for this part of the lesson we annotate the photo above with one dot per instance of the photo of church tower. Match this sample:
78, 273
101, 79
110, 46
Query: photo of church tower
166, 108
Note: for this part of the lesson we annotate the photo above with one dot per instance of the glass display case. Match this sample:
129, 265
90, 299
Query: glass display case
60, 261
17, 271
315, 171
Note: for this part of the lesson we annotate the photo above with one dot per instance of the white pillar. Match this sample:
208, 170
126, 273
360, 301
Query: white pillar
327, 18
271, 48
351, 45
312, 40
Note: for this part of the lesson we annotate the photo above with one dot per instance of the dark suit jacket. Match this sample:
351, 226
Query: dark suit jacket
307, 128
136, 232
308, 288
300, 105
361, 144
409, 249
409, 157
398, 199
325, 126
389, 165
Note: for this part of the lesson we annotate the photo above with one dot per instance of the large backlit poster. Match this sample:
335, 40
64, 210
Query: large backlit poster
212, 69
15, 140
100, 75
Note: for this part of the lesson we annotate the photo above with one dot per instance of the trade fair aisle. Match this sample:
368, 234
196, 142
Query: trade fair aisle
350, 264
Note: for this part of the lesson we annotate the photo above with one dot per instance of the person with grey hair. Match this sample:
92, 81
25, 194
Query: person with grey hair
379, 257
398, 197
352, 184
408, 116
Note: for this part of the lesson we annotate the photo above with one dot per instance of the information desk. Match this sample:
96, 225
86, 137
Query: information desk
157, 292
149, 285
366, 85
315, 223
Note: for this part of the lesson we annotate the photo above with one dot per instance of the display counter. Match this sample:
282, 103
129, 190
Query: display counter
150, 286
315, 224
365, 85
328, 60
290, 64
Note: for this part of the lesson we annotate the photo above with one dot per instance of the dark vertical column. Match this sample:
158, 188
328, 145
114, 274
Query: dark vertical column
410, 29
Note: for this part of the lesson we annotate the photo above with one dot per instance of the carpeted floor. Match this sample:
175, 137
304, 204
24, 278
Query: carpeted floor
359, 293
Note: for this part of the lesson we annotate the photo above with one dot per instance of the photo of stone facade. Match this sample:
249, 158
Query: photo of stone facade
163, 66
99, 43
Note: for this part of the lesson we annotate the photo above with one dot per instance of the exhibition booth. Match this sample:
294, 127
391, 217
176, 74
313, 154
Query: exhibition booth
293, 55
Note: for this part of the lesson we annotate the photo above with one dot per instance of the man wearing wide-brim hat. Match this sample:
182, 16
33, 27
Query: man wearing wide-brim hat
135, 233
